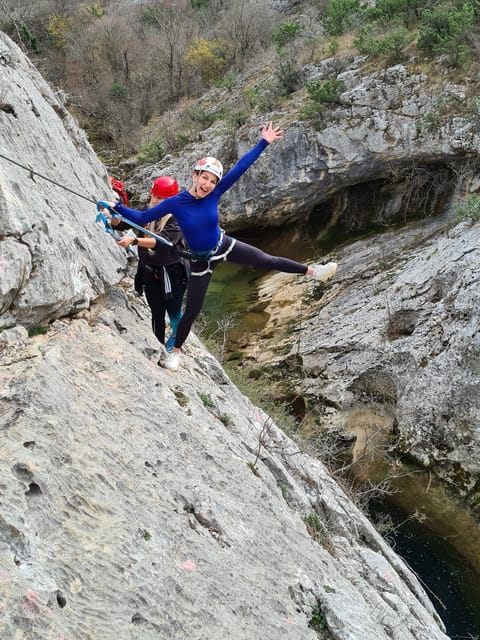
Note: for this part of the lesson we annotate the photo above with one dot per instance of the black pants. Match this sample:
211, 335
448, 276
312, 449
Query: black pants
159, 303
241, 253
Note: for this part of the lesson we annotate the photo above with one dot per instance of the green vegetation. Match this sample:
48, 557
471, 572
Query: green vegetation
151, 152
285, 492
286, 33
37, 331
134, 66
227, 82
181, 397
95, 9
470, 208
392, 45
118, 92
438, 115
316, 529
404, 12
29, 39
200, 115
323, 92
225, 419
320, 93
253, 469
317, 621
200, 4
260, 393
206, 398
447, 30
341, 15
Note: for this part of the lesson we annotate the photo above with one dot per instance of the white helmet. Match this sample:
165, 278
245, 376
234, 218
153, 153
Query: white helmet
210, 164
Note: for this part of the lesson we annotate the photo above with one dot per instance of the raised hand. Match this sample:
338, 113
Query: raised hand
271, 133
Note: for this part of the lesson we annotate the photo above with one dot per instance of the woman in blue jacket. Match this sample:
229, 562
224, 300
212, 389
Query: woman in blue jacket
196, 212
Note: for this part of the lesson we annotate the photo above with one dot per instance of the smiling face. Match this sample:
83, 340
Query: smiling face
204, 182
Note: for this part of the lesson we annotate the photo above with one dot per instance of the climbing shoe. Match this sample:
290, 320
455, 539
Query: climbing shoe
172, 363
323, 272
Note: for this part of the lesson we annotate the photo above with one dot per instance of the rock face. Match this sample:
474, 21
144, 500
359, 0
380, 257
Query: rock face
133, 504
137, 503
53, 258
398, 328
413, 337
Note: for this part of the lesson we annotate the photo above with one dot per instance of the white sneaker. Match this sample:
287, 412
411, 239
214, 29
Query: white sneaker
323, 272
172, 362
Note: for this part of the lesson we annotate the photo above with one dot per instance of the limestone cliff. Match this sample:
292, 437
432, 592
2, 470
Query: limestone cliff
136, 503
396, 333
52, 262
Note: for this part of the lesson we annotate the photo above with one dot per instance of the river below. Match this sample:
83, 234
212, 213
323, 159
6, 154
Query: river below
452, 581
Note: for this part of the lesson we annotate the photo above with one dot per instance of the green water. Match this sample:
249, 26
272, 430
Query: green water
233, 288
450, 581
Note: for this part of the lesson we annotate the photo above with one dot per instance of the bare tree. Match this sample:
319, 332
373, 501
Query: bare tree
171, 31
247, 26
224, 327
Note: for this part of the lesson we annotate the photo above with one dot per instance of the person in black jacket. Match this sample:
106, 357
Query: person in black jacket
162, 273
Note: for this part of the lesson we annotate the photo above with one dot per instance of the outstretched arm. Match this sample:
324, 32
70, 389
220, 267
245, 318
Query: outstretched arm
142, 217
269, 135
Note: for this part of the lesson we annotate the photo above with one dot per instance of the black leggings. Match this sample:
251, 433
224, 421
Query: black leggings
154, 292
241, 253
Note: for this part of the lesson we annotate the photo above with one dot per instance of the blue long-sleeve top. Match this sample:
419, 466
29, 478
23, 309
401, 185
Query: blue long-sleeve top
197, 217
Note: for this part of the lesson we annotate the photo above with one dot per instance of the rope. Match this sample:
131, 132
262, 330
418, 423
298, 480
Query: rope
112, 232
32, 173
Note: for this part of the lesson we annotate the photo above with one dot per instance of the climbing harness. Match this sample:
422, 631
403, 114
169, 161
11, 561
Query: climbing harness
210, 256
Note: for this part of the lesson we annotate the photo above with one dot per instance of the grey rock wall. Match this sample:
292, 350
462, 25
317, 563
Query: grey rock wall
53, 258
408, 324
396, 333
128, 507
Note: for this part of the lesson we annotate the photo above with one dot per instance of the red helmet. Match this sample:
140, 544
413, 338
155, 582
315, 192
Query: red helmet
164, 187
118, 187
